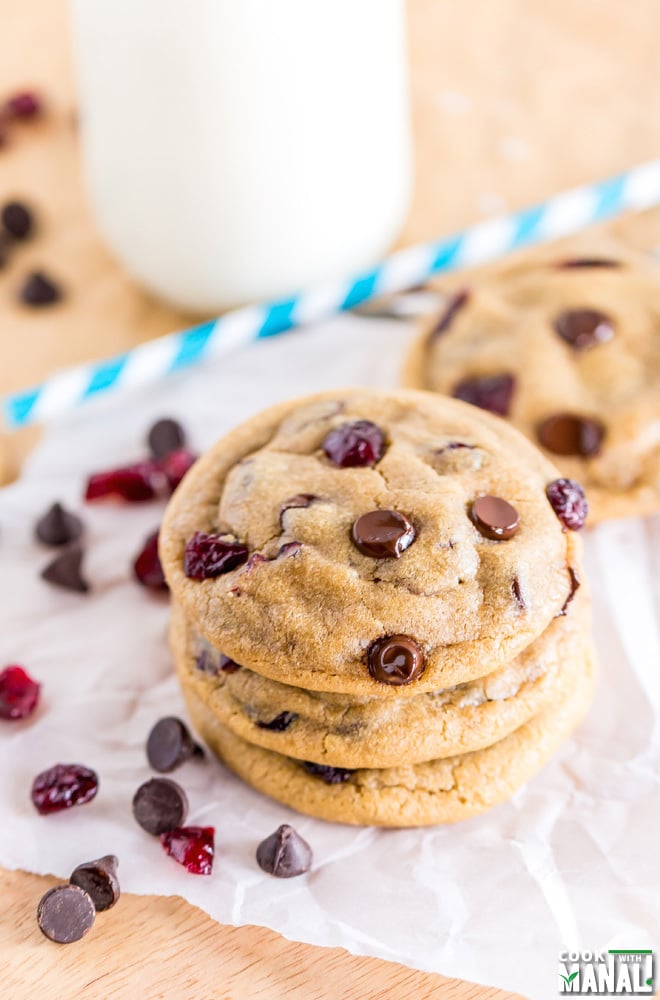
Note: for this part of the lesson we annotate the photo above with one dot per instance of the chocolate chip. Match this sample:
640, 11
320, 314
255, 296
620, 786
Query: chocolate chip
160, 805
169, 745
494, 518
568, 434
382, 534
279, 723
166, 435
227, 665
589, 262
330, 775
65, 913
58, 526
99, 880
17, 220
212, 662
395, 660
583, 328
518, 594
295, 502
66, 570
575, 586
284, 854
39, 290
446, 318
489, 392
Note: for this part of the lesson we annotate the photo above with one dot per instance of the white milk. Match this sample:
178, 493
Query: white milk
241, 149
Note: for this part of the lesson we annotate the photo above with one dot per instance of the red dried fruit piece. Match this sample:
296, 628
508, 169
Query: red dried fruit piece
24, 104
63, 786
175, 465
356, 444
192, 846
147, 566
568, 501
132, 483
19, 694
208, 556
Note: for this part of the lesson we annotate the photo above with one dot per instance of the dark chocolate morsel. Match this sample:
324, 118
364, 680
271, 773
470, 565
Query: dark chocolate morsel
17, 220
494, 518
39, 290
447, 317
569, 434
577, 262
170, 744
160, 805
165, 436
66, 570
330, 775
395, 660
65, 913
383, 534
99, 880
489, 392
575, 586
58, 526
280, 723
518, 594
284, 854
583, 328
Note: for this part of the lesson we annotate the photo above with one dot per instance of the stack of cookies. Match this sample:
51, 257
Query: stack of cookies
377, 610
566, 346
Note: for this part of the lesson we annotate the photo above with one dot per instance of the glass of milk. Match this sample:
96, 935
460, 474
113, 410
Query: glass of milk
238, 150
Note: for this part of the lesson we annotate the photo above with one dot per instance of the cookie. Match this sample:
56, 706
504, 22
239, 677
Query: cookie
567, 348
439, 791
348, 731
369, 543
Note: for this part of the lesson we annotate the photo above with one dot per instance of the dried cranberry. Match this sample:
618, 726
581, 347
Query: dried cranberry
175, 465
192, 846
331, 775
132, 483
355, 444
568, 501
489, 392
63, 786
454, 305
19, 694
25, 104
147, 566
211, 555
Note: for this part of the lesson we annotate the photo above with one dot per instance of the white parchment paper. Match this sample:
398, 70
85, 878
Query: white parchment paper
573, 860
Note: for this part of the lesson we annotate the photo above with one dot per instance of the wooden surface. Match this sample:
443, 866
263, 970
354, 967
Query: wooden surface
152, 947
512, 101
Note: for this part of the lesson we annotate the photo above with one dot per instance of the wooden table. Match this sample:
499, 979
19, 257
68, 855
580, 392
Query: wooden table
512, 100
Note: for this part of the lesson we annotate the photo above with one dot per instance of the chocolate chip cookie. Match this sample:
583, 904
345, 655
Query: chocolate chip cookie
438, 791
566, 348
372, 543
348, 732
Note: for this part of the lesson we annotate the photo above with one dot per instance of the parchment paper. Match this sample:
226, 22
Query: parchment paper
573, 860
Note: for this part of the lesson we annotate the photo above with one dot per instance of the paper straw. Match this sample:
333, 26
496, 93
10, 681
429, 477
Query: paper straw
147, 364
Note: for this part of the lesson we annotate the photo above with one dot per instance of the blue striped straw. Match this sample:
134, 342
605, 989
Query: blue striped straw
561, 215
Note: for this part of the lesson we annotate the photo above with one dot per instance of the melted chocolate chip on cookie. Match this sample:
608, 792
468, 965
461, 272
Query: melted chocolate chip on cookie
383, 534
584, 328
494, 518
568, 434
395, 660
